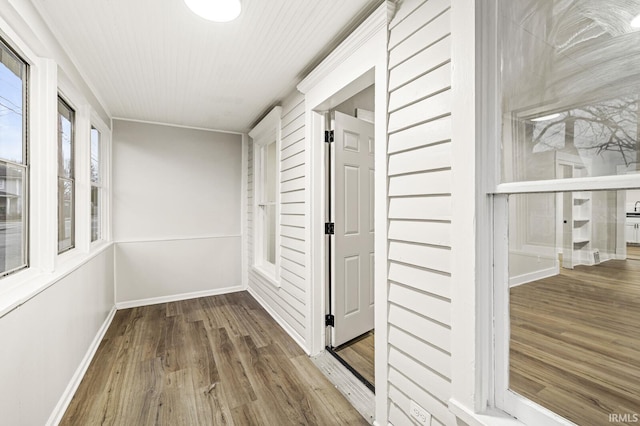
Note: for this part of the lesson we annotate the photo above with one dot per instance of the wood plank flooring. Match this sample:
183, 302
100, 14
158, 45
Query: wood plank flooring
218, 360
359, 354
575, 342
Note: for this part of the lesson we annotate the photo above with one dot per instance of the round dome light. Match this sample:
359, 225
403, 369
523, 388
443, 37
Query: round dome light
215, 10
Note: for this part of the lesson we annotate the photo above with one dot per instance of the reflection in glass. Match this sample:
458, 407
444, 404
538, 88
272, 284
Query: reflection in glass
12, 117
95, 213
268, 206
95, 155
65, 140
270, 173
574, 291
95, 184
13, 162
12, 218
270, 233
66, 187
65, 215
570, 81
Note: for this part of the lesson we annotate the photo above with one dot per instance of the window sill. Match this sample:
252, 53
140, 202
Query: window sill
19, 288
490, 417
266, 276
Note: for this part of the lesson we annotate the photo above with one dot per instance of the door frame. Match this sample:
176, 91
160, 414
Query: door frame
355, 64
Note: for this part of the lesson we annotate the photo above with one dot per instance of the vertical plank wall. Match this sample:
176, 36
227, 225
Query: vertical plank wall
286, 303
419, 155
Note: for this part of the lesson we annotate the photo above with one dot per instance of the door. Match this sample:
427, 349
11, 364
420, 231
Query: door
352, 293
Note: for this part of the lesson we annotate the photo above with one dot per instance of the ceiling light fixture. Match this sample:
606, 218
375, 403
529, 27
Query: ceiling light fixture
546, 117
215, 10
635, 22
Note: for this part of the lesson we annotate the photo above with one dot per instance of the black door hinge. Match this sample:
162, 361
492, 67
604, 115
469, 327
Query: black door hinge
329, 320
329, 228
328, 136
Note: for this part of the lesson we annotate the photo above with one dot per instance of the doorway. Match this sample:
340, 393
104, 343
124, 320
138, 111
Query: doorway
350, 183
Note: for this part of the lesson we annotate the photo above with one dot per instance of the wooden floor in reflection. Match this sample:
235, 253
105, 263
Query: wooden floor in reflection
359, 354
575, 341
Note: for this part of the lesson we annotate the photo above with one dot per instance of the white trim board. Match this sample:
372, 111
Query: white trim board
533, 276
76, 379
157, 123
178, 297
364, 51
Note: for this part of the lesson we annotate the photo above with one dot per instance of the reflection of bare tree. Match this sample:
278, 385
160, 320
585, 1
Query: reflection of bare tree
606, 126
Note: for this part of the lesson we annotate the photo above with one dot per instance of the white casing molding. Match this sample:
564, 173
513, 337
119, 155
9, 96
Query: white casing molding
359, 61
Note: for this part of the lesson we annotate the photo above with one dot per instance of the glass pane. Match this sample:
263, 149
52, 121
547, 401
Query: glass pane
574, 270
95, 155
12, 218
65, 140
270, 173
65, 215
12, 111
570, 79
95, 213
270, 233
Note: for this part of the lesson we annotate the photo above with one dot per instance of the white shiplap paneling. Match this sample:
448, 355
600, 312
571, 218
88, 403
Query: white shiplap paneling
419, 170
288, 301
157, 61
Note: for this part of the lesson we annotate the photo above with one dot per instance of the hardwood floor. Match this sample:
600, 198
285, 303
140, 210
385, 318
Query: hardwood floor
359, 353
575, 342
211, 361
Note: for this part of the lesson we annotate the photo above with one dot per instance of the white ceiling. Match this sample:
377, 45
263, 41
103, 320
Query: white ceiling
154, 60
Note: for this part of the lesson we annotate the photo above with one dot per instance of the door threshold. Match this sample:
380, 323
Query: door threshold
358, 395
353, 371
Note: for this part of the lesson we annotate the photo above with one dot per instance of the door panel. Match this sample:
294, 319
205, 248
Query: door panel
352, 245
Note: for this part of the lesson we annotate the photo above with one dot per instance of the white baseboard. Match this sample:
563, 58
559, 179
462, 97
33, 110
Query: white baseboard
72, 387
533, 276
177, 297
281, 322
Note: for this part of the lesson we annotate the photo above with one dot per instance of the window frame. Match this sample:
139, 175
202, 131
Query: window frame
25, 164
98, 184
496, 194
47, 80
72, 175
264, 134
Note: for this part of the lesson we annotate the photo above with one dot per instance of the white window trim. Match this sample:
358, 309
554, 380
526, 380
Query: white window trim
104, 182
267, 131
479, 202
338, 77
23, 165
46, 267
77, 128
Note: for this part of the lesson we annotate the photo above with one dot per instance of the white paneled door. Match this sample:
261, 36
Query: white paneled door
352, 290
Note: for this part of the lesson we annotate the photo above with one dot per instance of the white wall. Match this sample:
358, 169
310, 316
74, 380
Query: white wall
420, 229
287, 303
61, 304
176, 209
45, 341
364, 100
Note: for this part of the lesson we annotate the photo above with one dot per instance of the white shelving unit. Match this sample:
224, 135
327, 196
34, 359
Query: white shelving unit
581, 229
576, 212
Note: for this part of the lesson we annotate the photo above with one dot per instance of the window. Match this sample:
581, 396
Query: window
567, 225
268, 201
13, 162
96, 185
266, 168
66, 181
